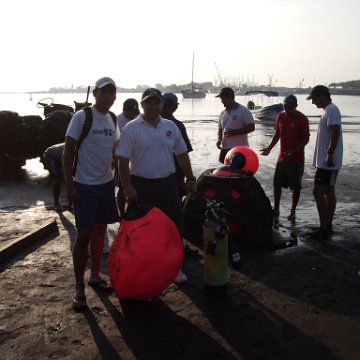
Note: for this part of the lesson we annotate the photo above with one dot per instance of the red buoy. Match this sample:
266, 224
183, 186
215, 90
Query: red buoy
145, 257
236, 156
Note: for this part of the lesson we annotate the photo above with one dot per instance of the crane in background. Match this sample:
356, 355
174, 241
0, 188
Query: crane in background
220, 79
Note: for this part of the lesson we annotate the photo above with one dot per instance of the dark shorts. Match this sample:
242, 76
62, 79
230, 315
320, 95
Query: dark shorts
162, 193
325, 177
97, 205
54, 167
289, 175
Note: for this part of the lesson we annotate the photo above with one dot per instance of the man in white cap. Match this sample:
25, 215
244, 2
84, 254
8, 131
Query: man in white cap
327, 160
91, 186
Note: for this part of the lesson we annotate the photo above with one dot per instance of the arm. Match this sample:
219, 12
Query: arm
300, 147
274, 140
185, 165
68, 161
334, 138
242, 131
129, 191
218, 143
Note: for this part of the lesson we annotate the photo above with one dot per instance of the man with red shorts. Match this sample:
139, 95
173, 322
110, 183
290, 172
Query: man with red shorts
292, 128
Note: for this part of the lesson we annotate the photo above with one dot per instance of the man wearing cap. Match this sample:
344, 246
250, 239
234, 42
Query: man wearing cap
92, 188
327, 159
292, 128
145, 150
235, 123
130, 112
170, 106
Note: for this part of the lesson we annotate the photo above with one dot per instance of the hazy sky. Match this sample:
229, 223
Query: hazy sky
47, 43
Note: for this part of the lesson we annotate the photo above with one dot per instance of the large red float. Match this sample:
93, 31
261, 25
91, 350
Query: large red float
146, 256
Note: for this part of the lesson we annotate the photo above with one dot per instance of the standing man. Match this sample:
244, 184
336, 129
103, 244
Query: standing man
292, 128
130, 112
146, 154
92, 190
328, 156
235, 122
170, 106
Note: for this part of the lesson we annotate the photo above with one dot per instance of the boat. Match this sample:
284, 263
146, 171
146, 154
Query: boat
266, 113
194, 92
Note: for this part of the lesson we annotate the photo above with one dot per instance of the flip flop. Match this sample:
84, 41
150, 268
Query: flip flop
79, 303
102, 285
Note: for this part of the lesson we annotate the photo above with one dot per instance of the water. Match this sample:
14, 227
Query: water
200, 118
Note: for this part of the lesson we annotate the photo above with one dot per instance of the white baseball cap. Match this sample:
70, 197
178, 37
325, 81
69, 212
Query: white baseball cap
103, 82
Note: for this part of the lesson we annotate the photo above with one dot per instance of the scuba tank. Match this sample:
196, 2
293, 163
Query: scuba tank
215, 230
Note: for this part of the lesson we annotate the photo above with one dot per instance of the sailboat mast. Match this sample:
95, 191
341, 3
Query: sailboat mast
192, 73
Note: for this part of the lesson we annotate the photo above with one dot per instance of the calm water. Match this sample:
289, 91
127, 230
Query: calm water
200, 117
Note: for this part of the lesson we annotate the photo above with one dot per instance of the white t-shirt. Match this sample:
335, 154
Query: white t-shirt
96, 151
149, 149
235, 119
331, 116
122, 121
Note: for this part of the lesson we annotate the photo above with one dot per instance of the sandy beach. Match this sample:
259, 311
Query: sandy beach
300, 302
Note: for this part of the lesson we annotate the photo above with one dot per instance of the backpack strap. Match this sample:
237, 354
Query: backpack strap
113, 116
85, 131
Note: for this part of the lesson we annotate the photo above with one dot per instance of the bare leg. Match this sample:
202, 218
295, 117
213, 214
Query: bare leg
56, 189
80, 258
331, 202
295, 201
320, 194
96, 248
277, 197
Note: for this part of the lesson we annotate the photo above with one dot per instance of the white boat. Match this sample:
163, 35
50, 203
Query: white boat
194, 92
266, 113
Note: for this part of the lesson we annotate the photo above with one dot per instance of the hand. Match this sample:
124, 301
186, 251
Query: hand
330, 160
218, 144
230, 132
191, 186
265, 151
130, 193
72, 194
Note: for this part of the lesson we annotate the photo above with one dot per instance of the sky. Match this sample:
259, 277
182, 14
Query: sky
70, 43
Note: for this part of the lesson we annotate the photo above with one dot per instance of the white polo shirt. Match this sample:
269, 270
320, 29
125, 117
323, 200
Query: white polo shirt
94, 165
151, 149
237, 118
331, 116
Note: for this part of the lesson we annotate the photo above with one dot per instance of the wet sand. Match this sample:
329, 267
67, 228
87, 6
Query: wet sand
295, 303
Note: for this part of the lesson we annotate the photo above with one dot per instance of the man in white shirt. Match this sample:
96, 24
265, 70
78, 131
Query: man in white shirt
235, 123
92, 189
327, 160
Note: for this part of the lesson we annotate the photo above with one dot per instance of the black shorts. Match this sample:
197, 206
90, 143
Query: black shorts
325, 177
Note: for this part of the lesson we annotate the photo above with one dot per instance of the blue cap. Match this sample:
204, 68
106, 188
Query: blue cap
169, 97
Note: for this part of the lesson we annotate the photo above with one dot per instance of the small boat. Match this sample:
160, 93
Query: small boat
266, 113
194, 92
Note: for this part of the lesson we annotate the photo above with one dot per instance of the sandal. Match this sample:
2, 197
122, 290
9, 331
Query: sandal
79, 303
100, 285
